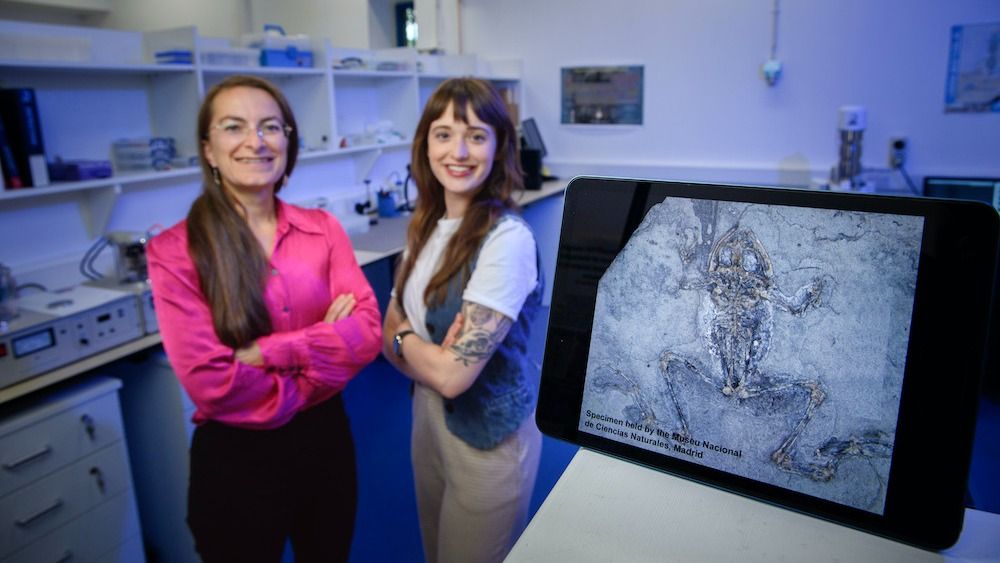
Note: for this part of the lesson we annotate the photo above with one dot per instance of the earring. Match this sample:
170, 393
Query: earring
215, 176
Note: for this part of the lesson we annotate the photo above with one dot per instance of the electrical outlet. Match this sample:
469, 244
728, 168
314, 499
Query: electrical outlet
897, 152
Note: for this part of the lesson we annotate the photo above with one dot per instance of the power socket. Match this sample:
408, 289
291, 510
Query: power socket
897, 152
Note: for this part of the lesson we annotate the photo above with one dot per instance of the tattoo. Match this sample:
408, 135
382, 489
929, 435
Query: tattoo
482, 331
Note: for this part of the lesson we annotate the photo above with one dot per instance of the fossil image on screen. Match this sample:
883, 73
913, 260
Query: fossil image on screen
764, 341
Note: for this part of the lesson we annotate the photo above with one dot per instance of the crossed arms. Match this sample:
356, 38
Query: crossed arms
453, 366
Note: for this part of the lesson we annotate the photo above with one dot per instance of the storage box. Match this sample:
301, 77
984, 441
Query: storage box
75, 170
174, 56
279, 49
274, 37
149, 153
231, 56
289, 57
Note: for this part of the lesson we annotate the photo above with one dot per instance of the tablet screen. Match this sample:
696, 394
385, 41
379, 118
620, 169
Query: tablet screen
765, 341
774, 342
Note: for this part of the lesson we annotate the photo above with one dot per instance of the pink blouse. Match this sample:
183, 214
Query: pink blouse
306, 360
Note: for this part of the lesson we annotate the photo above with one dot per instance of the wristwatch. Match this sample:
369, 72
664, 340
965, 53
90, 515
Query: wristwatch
397, 342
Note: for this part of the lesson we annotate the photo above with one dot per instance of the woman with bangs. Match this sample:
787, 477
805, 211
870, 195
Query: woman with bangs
467, 289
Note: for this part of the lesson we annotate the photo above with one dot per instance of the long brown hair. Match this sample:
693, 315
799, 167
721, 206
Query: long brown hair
231, 264
488, 204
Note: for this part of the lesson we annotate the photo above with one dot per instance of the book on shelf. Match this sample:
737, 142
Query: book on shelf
8, 168
19, 112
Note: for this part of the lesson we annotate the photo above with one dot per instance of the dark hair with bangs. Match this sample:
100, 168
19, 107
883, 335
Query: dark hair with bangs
492, 199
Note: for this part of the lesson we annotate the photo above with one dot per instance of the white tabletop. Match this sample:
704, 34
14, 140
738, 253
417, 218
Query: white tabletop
605, 509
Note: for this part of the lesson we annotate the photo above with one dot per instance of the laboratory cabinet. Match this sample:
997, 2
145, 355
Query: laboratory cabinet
65, 482
96, 86
157, 415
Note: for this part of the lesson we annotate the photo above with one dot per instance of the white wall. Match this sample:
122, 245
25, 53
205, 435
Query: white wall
706, 106
214, 18
47, 14
381, 24
439, 23
344, 22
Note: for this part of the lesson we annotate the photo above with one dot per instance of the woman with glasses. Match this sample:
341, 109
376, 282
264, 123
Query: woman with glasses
467, 290
265, 317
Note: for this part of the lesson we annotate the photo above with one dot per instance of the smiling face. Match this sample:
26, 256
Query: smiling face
246, 140
461, 156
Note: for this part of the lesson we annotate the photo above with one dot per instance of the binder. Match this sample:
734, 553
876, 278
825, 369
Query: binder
19, 112
8, 168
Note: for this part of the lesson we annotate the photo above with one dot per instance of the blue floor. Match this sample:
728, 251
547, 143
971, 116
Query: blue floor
984, 475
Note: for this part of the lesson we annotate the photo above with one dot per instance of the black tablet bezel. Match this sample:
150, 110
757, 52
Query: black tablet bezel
924, 502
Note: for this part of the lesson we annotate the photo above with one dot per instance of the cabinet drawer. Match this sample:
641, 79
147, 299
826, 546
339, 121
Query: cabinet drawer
89, 537
43, 506
56, 431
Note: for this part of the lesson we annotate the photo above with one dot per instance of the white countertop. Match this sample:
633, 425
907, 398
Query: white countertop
604, 509
388, 237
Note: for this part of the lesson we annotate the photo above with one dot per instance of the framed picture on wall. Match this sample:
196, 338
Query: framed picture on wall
602, 95
973, 82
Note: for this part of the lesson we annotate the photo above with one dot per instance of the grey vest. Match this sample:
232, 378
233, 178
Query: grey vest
506, 390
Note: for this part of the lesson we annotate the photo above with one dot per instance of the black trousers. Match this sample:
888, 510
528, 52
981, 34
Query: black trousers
251, 490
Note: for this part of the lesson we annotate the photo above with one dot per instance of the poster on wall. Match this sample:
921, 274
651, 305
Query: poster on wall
973, 82
602, 95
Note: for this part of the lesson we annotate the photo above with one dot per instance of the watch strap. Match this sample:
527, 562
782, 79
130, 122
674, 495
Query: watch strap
397, 342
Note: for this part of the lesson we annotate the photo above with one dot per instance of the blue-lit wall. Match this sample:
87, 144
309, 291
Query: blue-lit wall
708, 112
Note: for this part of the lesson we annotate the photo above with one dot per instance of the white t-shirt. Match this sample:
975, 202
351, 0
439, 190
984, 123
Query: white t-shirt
505, 273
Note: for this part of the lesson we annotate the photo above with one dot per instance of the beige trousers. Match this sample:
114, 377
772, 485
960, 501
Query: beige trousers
472, 504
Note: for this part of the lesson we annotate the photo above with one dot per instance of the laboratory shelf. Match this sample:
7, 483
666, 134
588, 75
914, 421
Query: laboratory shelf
124, 179
93, 68
365, 73
262, 70
95, 87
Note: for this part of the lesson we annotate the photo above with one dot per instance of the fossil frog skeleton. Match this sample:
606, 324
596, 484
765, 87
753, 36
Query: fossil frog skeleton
740, 298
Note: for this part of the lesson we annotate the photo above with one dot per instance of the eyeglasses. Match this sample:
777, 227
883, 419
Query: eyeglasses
267, 130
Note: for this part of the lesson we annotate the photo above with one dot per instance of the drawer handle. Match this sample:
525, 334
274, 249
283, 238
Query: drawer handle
13, 465
31, 519
98, 477
88, 425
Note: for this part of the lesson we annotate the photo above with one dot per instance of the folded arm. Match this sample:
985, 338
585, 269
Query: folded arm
265, 384
453, 366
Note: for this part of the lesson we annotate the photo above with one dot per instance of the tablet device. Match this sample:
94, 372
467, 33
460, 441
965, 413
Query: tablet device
816, 350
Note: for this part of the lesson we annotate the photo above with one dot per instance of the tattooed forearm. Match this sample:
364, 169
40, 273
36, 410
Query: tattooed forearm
482, 331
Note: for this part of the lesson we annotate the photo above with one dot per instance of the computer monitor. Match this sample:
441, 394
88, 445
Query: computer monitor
532, 139
986, 190
977, 189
